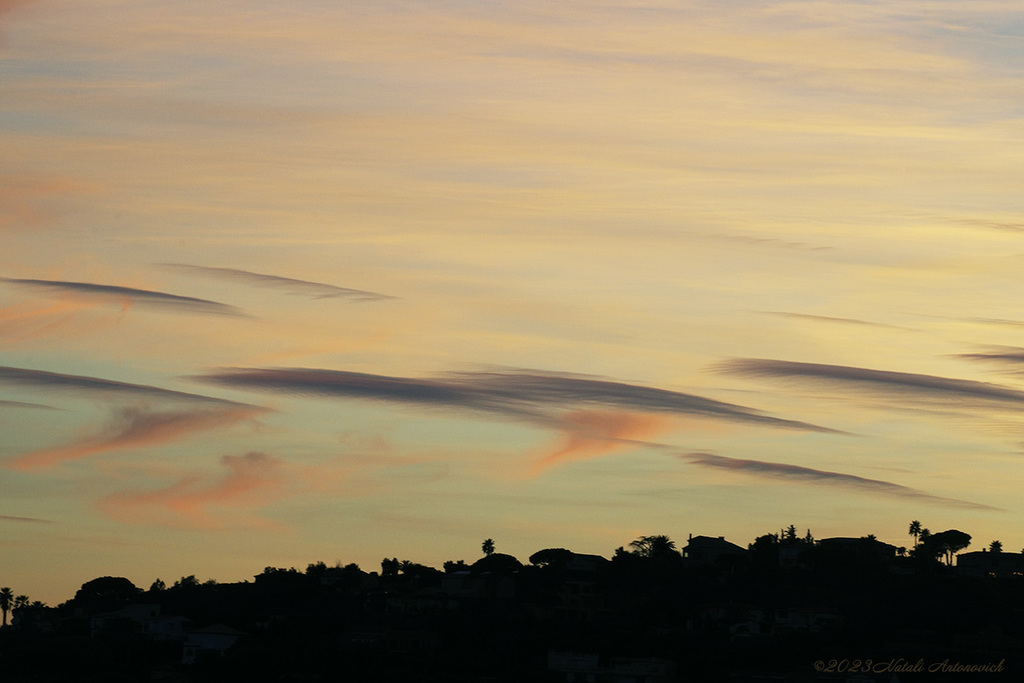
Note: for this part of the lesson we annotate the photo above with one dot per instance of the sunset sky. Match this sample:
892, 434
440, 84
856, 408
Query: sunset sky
283, 282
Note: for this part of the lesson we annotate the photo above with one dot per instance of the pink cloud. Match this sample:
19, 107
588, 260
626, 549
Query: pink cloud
591, 433
209, 502
135, 428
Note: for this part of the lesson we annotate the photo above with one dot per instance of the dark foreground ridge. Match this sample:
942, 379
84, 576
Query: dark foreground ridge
786, 608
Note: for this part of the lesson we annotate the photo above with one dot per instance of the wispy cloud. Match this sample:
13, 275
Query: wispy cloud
134, 428
932, 386
81, 384
315, 290
828, 319
773, 242
1011, 356
1003, 322
208, 502
127, 296
1004, 226
806, 474
25, 520
525, 395
24, 404
997, 321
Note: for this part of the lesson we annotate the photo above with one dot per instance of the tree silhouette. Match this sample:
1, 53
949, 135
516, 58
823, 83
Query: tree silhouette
316, 569
995, 546
390, 567
106, 593
550, 556
915, 530
946, 543
496, 563
6, 601
654, 547
191, 581
764, 551
488, 546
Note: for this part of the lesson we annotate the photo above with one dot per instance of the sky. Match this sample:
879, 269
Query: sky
339, 281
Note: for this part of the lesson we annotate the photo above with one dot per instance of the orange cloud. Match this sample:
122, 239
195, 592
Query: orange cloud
591, 433
251, 481
31, 321
20, 196
7, 5
138, 428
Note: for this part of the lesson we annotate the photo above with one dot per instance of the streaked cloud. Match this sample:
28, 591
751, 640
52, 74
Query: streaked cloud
1005, 226
41, 379
24, 404
942, 388
806, 474
208, 502
828, 319
315, 290
1006, 322
773, 242
1007, 355
127, 296
525, 395
135, 428
25, 520
622, 189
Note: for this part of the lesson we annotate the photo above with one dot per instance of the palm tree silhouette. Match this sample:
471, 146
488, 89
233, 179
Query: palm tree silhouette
6, 601
653, 546
488, 547
20, 602
915, 530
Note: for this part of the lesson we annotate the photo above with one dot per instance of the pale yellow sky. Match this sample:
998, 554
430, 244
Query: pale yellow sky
342, 282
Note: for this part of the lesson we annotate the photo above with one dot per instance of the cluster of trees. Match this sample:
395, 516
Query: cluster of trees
928, 548
721, 617
660, 549
945, 544
10, 602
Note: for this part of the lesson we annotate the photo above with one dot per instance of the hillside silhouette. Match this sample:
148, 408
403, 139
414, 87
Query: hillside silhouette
787, 607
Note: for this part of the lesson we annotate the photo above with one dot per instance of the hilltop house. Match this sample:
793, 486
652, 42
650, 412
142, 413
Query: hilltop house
705, 551
985, 563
